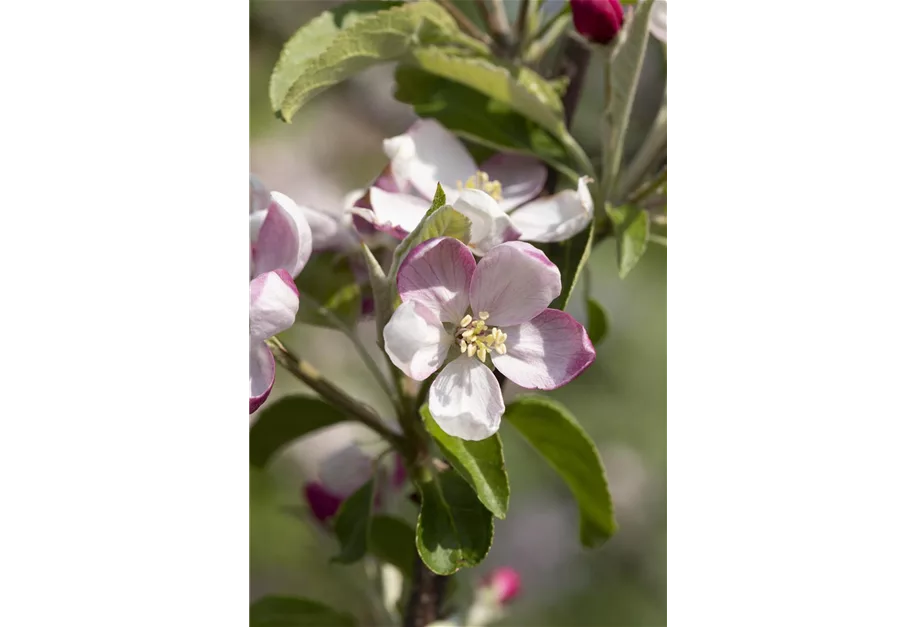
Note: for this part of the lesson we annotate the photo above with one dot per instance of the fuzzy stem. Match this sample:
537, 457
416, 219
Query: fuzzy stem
466, 25
308, 374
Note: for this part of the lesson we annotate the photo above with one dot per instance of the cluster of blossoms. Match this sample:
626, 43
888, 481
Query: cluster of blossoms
457, 314
280, 246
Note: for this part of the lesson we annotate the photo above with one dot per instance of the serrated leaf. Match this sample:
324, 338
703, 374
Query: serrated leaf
352, 524
522, 89
624, 74
597, 321
454, 530
392, 540
313, 39
570, 257
479, 463
277, 611
328, 287
568, 449
632, 235
286, 420
477, 118
366, 41
416, 236
379, 284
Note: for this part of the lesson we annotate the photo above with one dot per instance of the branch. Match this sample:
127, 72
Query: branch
427, 593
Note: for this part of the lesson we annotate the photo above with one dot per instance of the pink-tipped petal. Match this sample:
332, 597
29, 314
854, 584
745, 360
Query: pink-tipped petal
273, 303
489, 223
429, 154
521, 177
514, 282
466, 400
260, 375
281, 237
402, 212
437, 274
555, 218
545, 353
506, 583
323, 503
415, 340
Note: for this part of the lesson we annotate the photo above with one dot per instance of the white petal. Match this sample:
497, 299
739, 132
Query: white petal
343, 471
273, 303
555, 218
260, 374
437, 274
258, 196
521, 177
429, 154
398, 211
514, 282
658, 20
302, 226
466, 400
415, 341
489, 224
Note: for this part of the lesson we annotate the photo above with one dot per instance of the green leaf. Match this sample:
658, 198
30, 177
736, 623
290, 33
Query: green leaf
479, 463
286, 420
597, 321
522, 89
624, 74
382, 296
475, 117
328, 287
454, 530
392, 540
439, 220
570, 257
554, 432
365, 41
352, 524
277, 611
313, 39
632, 234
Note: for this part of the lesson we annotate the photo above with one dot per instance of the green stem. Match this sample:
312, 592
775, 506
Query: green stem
547, 25
308, 374
648, 154
522, 23
466, 25
499, 26
371, 364
647, 190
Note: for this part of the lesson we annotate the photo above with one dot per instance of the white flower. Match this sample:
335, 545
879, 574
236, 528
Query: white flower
658, 20
458, 311
429, 154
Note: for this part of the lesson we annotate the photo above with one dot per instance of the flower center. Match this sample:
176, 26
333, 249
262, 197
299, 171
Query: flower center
475, 338
481, 181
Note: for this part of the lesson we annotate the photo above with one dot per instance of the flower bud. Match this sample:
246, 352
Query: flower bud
505, 581
323, 503
597, 20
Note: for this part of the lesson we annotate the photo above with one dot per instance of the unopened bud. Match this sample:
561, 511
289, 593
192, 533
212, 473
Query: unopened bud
505, 582
597, 20
324, 504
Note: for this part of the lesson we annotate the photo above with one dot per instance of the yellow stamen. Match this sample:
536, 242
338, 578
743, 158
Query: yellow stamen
476, 339
480, 180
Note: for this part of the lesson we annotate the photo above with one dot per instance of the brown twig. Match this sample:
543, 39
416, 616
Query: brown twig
427, 593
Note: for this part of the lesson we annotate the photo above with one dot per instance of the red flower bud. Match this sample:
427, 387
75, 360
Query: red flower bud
323, 503
506, 582
597, 20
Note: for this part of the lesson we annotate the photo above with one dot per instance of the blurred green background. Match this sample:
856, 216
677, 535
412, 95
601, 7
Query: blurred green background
334, 145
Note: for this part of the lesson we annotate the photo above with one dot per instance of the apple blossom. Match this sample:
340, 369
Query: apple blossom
461, 313
341, 473
499, 197
280, 245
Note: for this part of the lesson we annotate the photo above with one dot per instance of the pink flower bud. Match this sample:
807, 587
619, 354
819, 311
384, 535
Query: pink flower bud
506, 582
324, 504
597, 20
